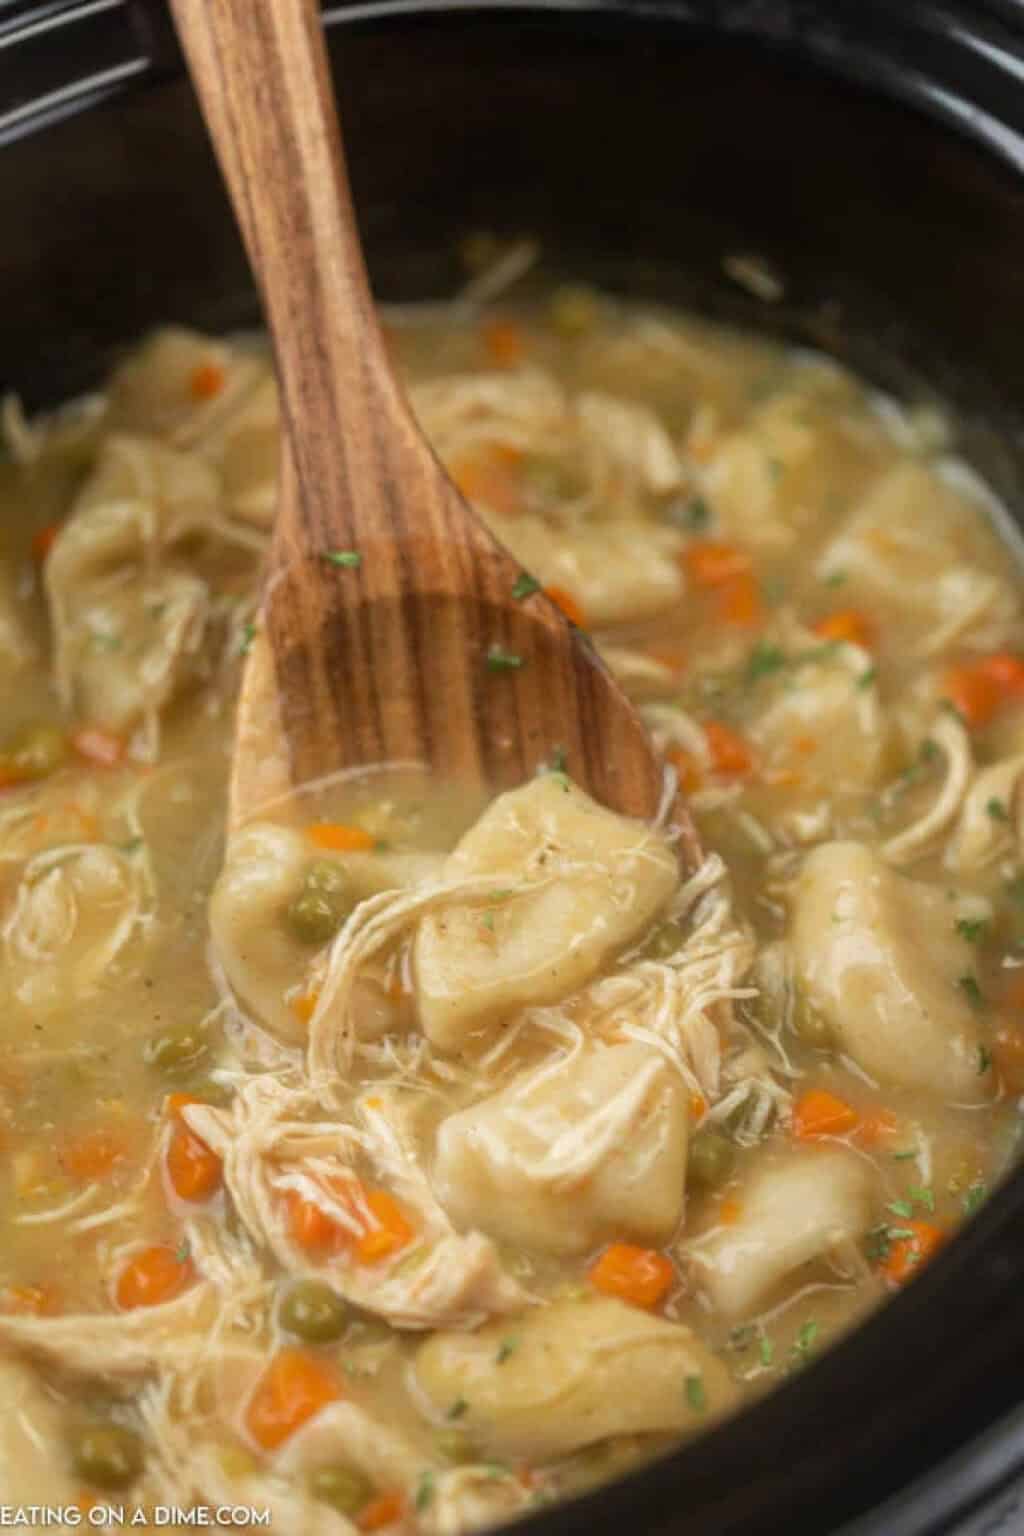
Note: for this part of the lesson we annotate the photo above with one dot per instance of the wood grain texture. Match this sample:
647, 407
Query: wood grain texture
398, 657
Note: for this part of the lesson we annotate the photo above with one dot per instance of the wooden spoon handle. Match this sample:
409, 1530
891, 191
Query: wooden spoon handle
261, 73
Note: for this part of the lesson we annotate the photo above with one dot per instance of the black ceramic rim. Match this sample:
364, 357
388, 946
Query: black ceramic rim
894, 1412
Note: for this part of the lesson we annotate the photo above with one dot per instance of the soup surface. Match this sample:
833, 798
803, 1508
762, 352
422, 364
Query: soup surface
412, 1160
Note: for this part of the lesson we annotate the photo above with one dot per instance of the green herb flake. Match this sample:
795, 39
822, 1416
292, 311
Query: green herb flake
525, 585
132, 845
763, 660
693, 515
984, 1060
458, 1408
249, 633
997, 810
974, 1198
424, 1492
905, 1156
867, 677
182, 1252
488, 921
922, 1196
500, 660
767, 1352
901, 1208
696, 1395
348, 559
835, 578
804, 1342
506, 1349
973, 929
973, 993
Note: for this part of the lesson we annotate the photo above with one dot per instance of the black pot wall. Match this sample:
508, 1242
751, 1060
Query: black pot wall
873, 153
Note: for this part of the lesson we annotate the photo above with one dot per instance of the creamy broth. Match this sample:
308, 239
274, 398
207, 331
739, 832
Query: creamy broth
416, 1159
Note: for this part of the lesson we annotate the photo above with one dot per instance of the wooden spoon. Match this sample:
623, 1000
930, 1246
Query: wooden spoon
391, 628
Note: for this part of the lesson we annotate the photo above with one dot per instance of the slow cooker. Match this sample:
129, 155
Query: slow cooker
869, 154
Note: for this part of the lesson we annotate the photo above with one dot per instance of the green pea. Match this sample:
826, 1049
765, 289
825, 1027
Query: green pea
106, 1455
664, 941
35, 752
575, 310
812, 1028
314, 1312
457, 1447
711, 1160
344, 1490
176, 1050
316, 913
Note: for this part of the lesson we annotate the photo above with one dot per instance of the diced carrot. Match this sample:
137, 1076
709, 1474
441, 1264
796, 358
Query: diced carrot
303, 1005
739, 602
194, 1171
104, 748
711, 564
846, 624
731, 757
729, 1211
175, 1103
877, 1126
805, 746
310, 1226
385, 1509
686, 767
294, 1387
818, 1113
391, 1231
43, 541
641, 1276
207, 381
568, 604
671, 656
504, 343
1008, 1055
981, 689
92, 1155
336, 837
30, 1300
151, 1276
698, 1107
491, 474
906, 1254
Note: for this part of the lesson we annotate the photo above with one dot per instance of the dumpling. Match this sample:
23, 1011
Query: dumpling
909, 552
599, 881
626, 569
128, 620
571, 1373
879, 957
790, 1212
570, 1154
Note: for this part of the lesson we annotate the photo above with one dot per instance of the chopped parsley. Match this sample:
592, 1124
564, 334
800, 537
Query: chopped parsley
997, 810
693, 514
696, 1396
804, 1342
767, 1352
972, 929
867, 677
922, 1196
984, 1060
763, 660
249, 633
458, 1408
974, 1197
525, 585
973, 993
182, 1252
488, 921
906, 1156
901, 1208
506, 1349
835, 578
424, 1492
349, 559
500, 660
132, 845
